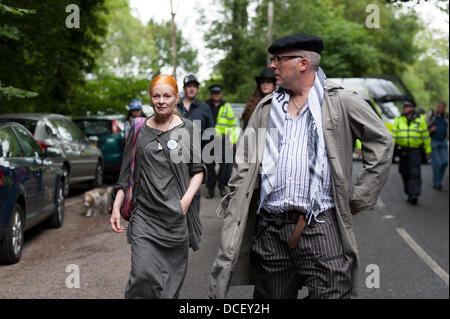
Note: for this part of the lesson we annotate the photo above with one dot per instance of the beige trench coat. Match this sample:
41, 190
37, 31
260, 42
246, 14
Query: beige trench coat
345, 117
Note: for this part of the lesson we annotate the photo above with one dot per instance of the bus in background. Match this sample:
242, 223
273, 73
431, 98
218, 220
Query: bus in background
384, 93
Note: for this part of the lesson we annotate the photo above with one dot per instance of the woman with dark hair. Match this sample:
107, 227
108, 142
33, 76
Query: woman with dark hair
265, 84
165, 219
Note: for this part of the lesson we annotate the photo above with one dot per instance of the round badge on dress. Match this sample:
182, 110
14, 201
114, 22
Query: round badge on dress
171, 144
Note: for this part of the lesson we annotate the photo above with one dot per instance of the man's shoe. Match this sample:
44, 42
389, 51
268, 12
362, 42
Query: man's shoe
437, 187
210, 194
414, 199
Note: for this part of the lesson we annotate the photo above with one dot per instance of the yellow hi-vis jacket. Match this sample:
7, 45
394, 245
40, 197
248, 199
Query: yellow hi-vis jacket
414, 135
226, 123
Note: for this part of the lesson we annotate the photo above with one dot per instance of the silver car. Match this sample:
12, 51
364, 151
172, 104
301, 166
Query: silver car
82, 160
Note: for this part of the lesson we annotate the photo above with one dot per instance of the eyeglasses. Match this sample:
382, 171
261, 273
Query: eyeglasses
277, 58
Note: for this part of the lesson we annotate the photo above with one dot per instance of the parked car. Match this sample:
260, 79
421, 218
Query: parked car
109, 131
82, 161
31, 188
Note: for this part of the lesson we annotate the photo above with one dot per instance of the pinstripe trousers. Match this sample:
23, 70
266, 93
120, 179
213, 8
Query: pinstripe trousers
318, 261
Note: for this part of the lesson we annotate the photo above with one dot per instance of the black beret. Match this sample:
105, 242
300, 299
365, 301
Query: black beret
215, 88
297, 41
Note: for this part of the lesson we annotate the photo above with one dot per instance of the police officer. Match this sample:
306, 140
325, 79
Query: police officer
225, 124
193, 109
410, 134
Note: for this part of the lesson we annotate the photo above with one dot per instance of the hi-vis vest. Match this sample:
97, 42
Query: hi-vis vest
413, 136
226, 123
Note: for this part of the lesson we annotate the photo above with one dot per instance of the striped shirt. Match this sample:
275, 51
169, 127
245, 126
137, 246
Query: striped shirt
291, 189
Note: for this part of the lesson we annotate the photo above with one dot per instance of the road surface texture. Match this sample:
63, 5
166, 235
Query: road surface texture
404, 251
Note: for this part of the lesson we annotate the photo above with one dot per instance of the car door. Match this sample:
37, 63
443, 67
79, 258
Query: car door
12, 168
88, 157
43, 185
48, 171
70, 148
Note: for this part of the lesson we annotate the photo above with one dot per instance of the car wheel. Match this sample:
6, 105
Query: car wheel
98, 179
66, 180
12, 244
57, 219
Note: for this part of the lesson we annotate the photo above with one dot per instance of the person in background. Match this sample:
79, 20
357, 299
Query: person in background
265, 84
410, 134
193, 109
134, 110
439, 148
225, 124
164, 218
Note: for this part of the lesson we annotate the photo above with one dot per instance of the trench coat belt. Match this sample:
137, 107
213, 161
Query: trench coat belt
288, 217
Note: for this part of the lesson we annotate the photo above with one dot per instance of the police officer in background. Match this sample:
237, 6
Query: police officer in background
193, 109
225, 124
410, 134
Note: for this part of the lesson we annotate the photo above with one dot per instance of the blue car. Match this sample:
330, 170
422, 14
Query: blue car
31, 189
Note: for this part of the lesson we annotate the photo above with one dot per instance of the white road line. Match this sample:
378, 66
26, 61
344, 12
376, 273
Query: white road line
422, 254
380, 203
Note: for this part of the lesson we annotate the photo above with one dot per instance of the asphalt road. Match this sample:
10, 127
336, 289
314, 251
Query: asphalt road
409, 245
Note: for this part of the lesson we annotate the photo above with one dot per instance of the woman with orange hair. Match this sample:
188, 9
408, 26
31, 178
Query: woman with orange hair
164, 218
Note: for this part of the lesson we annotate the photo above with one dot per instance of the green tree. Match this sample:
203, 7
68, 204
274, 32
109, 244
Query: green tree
133, 53
50, 58
7, 93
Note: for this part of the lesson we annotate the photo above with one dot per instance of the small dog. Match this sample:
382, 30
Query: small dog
97, 200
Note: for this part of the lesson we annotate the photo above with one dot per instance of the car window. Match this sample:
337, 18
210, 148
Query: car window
51, 130
9, 142
94, 127
63, 130
75, 131
30, 147
30, 125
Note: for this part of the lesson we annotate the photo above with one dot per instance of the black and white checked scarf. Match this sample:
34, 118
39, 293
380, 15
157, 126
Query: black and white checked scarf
316, 142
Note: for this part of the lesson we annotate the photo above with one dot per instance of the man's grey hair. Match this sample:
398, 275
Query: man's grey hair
313, 58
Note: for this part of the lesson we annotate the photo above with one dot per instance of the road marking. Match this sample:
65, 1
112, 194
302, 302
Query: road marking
380, 203
388, 216
422, 254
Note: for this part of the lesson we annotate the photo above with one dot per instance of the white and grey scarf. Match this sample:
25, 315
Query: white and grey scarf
316, 142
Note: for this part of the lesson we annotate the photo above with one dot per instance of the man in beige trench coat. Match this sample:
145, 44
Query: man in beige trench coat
282, 237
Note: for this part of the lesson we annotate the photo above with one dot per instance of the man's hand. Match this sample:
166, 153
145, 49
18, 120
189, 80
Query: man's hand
428, 157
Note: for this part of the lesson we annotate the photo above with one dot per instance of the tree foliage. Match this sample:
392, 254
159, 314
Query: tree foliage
352, 49
49, 58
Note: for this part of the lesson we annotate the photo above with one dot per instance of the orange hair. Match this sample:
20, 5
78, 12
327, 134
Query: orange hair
164, 79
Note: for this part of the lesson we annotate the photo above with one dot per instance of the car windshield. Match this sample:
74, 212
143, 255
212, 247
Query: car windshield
92, 127
390, 109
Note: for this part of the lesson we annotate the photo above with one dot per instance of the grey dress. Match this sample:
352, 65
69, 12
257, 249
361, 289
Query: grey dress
159, 233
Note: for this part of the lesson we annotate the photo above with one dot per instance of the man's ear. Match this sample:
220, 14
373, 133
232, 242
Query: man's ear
302, 65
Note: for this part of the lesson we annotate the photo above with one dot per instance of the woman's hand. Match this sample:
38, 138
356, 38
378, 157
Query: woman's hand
194, 185
185, 203
114, 220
